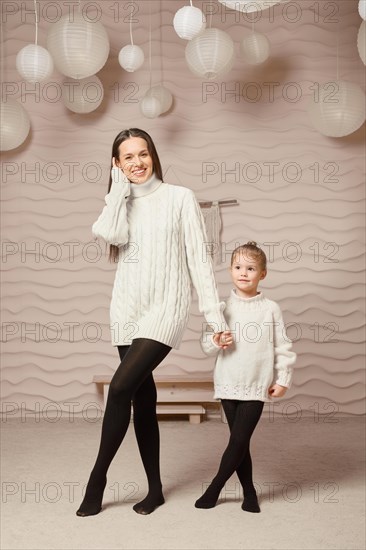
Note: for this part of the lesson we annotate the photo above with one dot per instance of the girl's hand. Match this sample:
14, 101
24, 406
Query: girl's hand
223, 339
277, 391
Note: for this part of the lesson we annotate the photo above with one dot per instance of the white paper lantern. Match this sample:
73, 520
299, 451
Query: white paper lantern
339, 110
150, 107
82, 96
362, 9
189, 22
15, 124
34, 63
255, 48
361, 41
163, 95
79, 47
210, 54
249, 6
131, 58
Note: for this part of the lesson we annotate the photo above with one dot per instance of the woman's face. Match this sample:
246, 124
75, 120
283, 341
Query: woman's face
135, 160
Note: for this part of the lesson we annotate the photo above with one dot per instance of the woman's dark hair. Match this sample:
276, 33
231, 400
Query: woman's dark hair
120, 138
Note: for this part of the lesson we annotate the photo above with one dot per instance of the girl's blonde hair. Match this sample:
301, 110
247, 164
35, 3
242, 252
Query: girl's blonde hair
250, 249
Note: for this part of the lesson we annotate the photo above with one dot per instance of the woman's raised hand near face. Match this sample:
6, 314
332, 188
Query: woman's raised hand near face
116, 172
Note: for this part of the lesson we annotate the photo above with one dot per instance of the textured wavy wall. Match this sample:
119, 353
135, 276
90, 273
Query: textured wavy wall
246, 136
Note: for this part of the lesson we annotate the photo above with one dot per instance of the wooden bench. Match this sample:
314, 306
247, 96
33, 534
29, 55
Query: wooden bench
176, 394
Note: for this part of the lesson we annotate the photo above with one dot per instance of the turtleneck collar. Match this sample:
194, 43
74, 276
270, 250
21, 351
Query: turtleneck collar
142, 189
253, 300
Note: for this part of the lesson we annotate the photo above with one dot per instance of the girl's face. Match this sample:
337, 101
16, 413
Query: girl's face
246, 272
135, 160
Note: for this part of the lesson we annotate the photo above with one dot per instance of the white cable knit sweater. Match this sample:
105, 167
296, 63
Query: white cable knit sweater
160, 232
260, 354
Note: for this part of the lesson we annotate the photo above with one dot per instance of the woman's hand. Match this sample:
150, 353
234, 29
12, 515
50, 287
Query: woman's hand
114, 164
277, 391
223, 339
117, 172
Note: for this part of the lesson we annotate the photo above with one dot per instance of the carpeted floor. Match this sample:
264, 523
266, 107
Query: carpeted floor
310, 475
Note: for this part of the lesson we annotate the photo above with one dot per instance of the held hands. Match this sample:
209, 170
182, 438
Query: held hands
223, 339
277, 391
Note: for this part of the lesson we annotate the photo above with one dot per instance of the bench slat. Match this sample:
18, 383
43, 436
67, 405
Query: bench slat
169, 408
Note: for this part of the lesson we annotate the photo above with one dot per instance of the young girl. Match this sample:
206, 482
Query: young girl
248, 372
156, 232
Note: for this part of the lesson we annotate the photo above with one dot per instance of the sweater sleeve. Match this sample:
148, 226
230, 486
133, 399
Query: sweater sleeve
284, 357
207, 343
112, 223
200, 263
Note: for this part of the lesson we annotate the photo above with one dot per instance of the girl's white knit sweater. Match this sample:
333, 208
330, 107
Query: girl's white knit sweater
160, 232
260, 354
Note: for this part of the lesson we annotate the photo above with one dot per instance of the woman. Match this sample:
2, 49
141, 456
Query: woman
157, 234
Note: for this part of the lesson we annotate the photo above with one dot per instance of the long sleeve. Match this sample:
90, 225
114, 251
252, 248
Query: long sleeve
112, 223
284, 357
200, 264
207, 344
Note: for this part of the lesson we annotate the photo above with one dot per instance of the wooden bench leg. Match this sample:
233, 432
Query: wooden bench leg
194, 418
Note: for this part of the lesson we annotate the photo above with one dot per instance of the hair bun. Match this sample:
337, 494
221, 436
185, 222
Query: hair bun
253, 243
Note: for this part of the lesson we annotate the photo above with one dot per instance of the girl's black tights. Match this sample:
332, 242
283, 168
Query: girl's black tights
242, 417
132, 381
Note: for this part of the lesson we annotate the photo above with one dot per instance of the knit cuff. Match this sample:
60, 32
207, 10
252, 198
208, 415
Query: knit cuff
121, 185
284, 377
215, 317
208, 345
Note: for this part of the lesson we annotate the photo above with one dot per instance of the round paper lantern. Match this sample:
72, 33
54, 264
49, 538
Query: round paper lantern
15, 124
210, 54
150, 107
34, 63
361, 41
189, 22
131, 58
163, 95
255, 48
339, 110
83, 96
249, 6
79, 48
362, 9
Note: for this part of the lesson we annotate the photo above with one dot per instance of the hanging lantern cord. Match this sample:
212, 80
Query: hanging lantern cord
2, 70
211, 14
131, 26
150, 43
338, 52
35, 12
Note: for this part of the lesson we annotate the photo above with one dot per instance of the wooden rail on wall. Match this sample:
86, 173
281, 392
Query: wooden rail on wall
175, 394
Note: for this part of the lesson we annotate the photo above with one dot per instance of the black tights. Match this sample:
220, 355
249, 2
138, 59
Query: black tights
242, 417
132, 381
